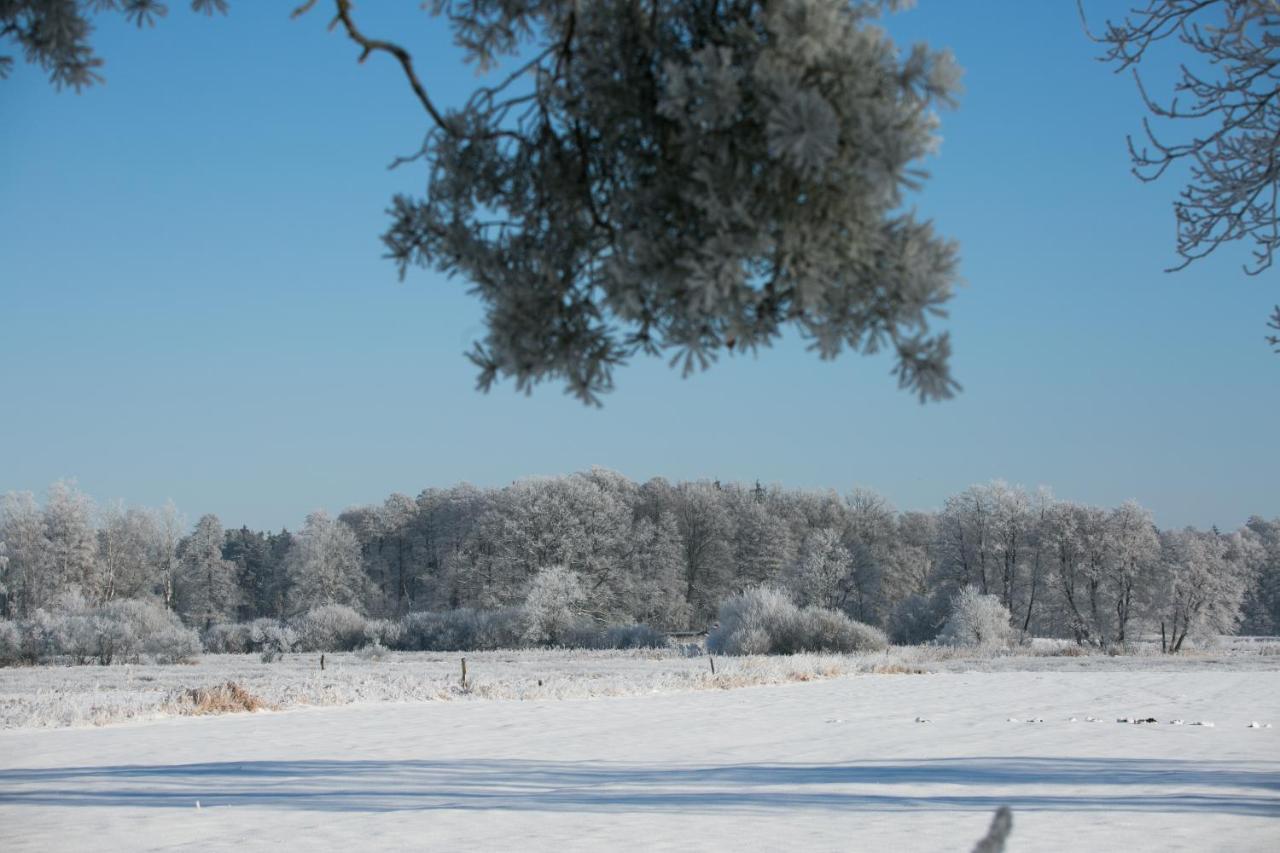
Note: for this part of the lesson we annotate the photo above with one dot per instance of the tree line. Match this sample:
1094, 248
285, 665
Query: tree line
663, 554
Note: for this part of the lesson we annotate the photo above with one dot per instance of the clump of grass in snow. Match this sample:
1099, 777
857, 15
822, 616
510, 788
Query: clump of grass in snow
229, 698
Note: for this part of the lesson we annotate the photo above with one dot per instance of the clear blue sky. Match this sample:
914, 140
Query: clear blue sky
193, 303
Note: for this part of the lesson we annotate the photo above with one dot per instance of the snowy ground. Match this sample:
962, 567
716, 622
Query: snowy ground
836, 764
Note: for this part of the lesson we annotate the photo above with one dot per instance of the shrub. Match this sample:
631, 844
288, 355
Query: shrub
463, 630
122, 631
373, 651
330, 628
977, 621
171, 644
270, 636
766, 621
382, 632
823, 630
10, 643
129, 628
231, 638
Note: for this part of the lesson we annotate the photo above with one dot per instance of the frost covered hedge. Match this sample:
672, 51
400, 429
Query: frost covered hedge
766, 621
130, 631
463, 630
515, 628
126, 631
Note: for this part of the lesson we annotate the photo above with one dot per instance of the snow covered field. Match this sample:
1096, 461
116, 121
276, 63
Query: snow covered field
56, 696
834, 764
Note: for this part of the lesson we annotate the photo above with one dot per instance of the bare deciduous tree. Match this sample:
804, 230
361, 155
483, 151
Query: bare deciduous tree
1227, 96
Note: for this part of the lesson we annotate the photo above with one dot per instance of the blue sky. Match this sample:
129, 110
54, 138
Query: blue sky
193, 303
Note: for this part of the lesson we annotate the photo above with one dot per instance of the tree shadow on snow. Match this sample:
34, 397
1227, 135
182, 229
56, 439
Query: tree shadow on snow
1064, 784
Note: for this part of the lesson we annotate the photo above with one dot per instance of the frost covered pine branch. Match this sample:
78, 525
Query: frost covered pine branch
664, 180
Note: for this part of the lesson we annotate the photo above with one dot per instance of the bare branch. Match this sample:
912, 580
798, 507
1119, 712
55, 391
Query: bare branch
369, 46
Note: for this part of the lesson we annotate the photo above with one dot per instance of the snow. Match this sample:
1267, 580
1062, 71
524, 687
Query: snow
750, 768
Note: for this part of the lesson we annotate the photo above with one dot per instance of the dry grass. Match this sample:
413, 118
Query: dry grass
229, 698
897, 669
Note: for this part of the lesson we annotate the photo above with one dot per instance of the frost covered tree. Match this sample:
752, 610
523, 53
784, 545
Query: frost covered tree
554, 605
125, 535
1261, 609
1226, 100
967, 539
654, 593
1134, 563
259, 570
1202, 585
54, 34
1063, 531
869, 534
571, 521
323, 565
762, 544
686, 178
679, 177
26, 554
169, 524
72, 541
822, 574
706, 531
206, 591
977, 620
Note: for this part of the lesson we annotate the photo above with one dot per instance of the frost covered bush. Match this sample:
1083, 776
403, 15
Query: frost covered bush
10, 643
382, 632
977, 621
171, 644
271, 637
267, 636
129, 628
463, 630
766, 621
230, 638
124, 631
330, 628
509, 628
820, 630
373, 651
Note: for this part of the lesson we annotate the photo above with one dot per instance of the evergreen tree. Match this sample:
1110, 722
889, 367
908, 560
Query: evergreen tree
206, 588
